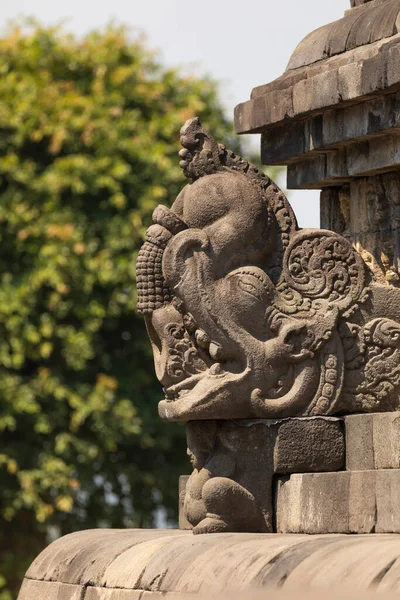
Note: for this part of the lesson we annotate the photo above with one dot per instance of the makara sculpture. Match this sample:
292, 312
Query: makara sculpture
251, 317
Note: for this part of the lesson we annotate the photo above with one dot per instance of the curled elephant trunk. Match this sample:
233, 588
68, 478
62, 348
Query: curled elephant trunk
306, 381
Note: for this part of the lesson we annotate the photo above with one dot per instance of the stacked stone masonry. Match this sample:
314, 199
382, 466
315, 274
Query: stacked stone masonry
362, 499
333, 119
340, 475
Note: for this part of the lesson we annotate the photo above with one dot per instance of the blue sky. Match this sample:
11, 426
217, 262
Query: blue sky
241, 43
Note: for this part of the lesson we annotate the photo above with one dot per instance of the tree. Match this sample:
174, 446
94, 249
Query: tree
89, 141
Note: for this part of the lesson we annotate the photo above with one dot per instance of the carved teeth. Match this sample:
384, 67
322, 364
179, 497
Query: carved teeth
175, 392
202, 338
169, 394
216, 369
215, 351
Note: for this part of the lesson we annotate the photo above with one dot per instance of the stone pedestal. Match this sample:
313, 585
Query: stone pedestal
318, 475
231, 487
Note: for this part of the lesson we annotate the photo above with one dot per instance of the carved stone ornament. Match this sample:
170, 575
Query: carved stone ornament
250, 316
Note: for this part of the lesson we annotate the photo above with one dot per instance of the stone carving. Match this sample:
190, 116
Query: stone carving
250, 317
372, 360
230, 487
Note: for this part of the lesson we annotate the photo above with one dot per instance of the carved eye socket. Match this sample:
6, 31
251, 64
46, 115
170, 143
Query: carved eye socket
249, 285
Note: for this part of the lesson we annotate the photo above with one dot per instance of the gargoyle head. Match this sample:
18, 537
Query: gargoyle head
241, 306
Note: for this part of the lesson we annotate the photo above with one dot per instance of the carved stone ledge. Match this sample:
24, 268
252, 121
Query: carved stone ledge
170, 564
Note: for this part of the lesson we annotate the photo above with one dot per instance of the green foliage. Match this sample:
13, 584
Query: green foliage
88, 148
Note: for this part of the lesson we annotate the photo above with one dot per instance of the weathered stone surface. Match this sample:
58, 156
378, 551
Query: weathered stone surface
343, 165
183, 522
359, 2
189, 564
366, 212
371, 24
220, 339
359, 443
83, 557
49, 590
298, 140
350, 81
233, 466
373, 441
313, 503
342, 502
225, 466
393, 67
304, 445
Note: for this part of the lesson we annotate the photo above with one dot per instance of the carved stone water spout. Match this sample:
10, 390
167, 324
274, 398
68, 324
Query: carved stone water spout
251, 317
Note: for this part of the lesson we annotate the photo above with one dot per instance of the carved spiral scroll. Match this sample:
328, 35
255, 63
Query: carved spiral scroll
321, 265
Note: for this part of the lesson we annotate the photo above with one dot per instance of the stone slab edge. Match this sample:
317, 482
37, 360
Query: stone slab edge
182, 563
334, 84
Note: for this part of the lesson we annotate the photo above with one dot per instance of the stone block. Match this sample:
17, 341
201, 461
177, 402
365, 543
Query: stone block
312, 173
283, 142
342, 502
315, 444
49, 590
387, 492
359, 443
334, 209
373, 441
302, 96
312, 503
325, 89
361, 502
393, 66
258, 112
373, 74
349, 81
280, 105
243, 116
